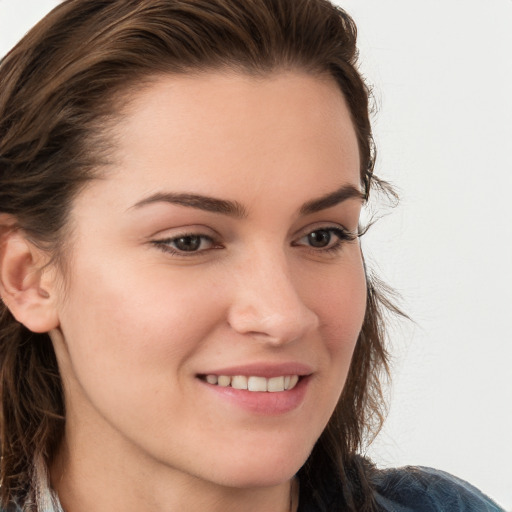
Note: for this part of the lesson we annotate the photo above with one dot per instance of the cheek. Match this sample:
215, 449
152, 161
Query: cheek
131, 327
341, 303
341, 312
341, 308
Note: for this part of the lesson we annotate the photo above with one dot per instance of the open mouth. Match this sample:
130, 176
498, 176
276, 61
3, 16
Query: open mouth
253, 383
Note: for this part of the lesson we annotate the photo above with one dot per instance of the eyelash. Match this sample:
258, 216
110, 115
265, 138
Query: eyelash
165, 244
342, 235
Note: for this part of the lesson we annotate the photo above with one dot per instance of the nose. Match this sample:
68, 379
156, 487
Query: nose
267, 303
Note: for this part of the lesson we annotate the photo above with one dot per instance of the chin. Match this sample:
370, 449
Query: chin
259, 477
270, 467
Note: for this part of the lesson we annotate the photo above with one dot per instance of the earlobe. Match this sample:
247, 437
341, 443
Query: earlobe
25, 286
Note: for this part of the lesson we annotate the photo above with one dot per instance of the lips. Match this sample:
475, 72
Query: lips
260, 388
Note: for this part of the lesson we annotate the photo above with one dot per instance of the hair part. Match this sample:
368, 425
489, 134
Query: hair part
61, 90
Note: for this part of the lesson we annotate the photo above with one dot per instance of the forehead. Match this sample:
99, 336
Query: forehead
208, 133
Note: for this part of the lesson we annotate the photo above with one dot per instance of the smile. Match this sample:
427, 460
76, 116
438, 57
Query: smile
254, 383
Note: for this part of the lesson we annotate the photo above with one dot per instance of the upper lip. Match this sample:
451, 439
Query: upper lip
266, 370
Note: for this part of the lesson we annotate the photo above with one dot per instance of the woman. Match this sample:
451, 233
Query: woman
187, 320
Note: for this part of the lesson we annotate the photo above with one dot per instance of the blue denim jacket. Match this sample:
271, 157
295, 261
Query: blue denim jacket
409, 489
414, 489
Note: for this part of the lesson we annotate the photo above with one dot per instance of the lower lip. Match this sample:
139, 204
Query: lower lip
264, 403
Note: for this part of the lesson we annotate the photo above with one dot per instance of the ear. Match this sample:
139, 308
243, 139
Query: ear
27, 284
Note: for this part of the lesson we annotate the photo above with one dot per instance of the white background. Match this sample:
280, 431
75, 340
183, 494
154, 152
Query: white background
442, 75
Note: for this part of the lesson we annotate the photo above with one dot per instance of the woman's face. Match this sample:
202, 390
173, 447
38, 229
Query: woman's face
216, 253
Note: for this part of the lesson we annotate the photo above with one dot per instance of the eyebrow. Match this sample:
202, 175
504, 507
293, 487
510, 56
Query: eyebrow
206, 203
332, 199
237, 210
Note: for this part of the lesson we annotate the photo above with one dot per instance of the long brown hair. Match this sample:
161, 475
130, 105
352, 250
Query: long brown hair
60, 89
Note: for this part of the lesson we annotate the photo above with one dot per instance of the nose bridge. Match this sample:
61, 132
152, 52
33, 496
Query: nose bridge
267, 301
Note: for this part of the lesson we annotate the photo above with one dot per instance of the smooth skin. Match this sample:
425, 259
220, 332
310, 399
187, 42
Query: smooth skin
156, 294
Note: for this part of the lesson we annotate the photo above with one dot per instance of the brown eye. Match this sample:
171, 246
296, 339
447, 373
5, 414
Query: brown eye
187, 243
325, 239
319, 238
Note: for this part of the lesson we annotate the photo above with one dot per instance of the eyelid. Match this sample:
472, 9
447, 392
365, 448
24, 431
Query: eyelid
184, 230
334, 247
164, 241
327, 226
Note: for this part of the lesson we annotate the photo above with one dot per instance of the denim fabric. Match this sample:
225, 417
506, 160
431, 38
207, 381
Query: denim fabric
429, 490
410, 489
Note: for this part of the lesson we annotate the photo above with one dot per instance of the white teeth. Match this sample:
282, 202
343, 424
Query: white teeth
257, 384
293, 381
224, 381
239, 382
211, 379
275, 384
252, 383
